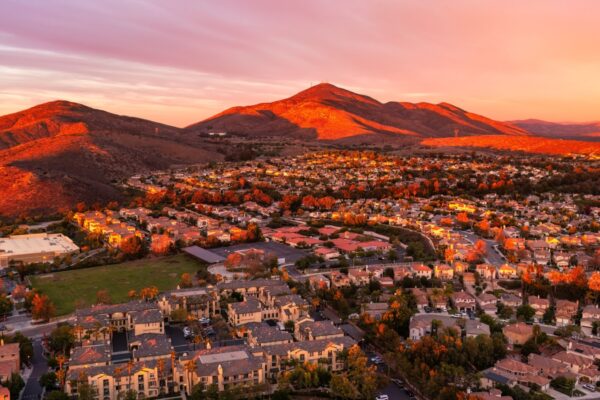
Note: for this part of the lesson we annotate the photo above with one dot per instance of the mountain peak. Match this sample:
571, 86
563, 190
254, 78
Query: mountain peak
328, 112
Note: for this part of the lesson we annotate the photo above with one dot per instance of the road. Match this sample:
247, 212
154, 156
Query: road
493, 256
33, 389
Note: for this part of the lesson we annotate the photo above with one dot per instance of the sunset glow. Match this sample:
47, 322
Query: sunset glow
179, 62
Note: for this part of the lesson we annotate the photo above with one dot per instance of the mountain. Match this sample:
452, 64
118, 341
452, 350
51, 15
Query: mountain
57, 154
528, 144
327, 112
554, 129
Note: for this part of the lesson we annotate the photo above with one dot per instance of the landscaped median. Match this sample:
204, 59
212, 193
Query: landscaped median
67, 289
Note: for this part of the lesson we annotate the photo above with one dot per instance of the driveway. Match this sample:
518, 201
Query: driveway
493, 256
33, 390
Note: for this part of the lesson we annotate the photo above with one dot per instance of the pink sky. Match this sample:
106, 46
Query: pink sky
181, 61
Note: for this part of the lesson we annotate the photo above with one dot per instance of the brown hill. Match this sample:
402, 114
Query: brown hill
528, 144
61, 153
554, 129
326, 112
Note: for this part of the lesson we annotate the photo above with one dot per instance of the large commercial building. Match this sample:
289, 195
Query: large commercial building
34, 248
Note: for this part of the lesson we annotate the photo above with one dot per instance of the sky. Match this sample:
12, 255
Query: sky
179, 62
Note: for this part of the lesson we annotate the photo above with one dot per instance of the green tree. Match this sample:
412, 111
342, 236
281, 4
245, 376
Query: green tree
56, 395
5, 305
14, 384
342, 387
49, 381
525, 312
197, 392
85, 391
128, 395
61, 339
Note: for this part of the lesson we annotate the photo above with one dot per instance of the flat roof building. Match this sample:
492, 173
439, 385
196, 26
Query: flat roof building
34, 248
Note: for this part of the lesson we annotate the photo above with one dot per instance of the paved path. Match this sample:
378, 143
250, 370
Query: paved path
33, 390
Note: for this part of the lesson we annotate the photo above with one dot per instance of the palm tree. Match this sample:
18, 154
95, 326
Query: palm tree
190, 367
160, 366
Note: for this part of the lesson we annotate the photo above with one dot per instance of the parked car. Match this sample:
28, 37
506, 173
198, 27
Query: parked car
589, 387
382, 397
204, 320
398, 382
187, 332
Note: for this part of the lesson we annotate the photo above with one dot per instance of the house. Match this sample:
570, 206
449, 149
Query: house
518, 333
540, 306
223, 367
487, 302
339, 279
316, 330
463, 301
422, 271
317, 352
422, 324
589, 315
10, 360
444, 272
319, 281
374, 310
486, 271
327, 253
565, 312
507, 272
359, 276
511, 300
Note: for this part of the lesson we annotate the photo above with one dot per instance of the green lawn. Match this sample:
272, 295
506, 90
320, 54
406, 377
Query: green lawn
67, 287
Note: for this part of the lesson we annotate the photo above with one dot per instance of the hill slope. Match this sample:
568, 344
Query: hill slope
528, 144
553, 129
326, 112
60, 153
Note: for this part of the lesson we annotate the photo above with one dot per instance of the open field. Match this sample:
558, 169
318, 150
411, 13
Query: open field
66, 288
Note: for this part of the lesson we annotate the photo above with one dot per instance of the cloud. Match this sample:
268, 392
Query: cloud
179, 62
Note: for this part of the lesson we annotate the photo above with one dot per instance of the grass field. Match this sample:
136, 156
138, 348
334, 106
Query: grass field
67, 287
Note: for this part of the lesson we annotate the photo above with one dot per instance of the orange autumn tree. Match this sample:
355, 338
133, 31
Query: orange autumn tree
576, 276
42, 308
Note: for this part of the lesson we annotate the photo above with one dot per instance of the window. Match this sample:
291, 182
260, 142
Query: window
105, 382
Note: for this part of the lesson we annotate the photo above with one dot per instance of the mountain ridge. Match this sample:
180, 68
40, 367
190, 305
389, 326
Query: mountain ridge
327, 112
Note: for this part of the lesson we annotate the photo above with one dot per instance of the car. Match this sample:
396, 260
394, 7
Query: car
382, 397
398, 382
204, 320
187, 331
588, 387
410, 394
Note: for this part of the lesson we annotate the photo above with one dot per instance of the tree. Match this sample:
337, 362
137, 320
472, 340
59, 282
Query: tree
343, 387
149, 293
130, 394
363, 375
161, 244
549, 316
525, 312
61, 339
197, 392
49, 381
103, 297
14, 384
42, 308
186, 280
5, 305
133, 247
25, 347
85, 391
56, 395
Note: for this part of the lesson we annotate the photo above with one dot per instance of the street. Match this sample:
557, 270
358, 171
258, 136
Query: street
33, 389
493, 255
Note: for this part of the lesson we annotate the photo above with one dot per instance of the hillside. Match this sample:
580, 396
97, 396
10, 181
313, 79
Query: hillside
528, 144
553, 129
326, 112
60, 153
